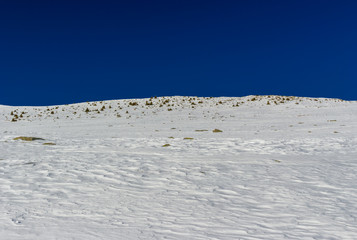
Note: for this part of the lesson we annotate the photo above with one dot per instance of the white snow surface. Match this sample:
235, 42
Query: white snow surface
282, 168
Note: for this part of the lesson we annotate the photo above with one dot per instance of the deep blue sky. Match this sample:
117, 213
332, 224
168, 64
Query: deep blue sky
58, 52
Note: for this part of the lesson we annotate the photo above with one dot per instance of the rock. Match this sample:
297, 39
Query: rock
28, 138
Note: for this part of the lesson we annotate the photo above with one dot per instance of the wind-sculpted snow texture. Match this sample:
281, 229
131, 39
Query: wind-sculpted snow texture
281, 168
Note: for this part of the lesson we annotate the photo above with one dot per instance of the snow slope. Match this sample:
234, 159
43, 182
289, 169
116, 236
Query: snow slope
281, 168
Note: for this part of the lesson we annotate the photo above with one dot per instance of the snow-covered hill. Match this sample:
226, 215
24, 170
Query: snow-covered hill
256, 167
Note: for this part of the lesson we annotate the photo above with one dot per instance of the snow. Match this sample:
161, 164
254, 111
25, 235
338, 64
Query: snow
282, 168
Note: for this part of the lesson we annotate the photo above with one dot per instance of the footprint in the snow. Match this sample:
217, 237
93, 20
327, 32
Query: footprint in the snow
18, 219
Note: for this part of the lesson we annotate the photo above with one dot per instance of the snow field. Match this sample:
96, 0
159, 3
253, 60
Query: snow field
278, 171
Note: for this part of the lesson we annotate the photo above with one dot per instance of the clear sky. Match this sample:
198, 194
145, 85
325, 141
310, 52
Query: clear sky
58, 52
